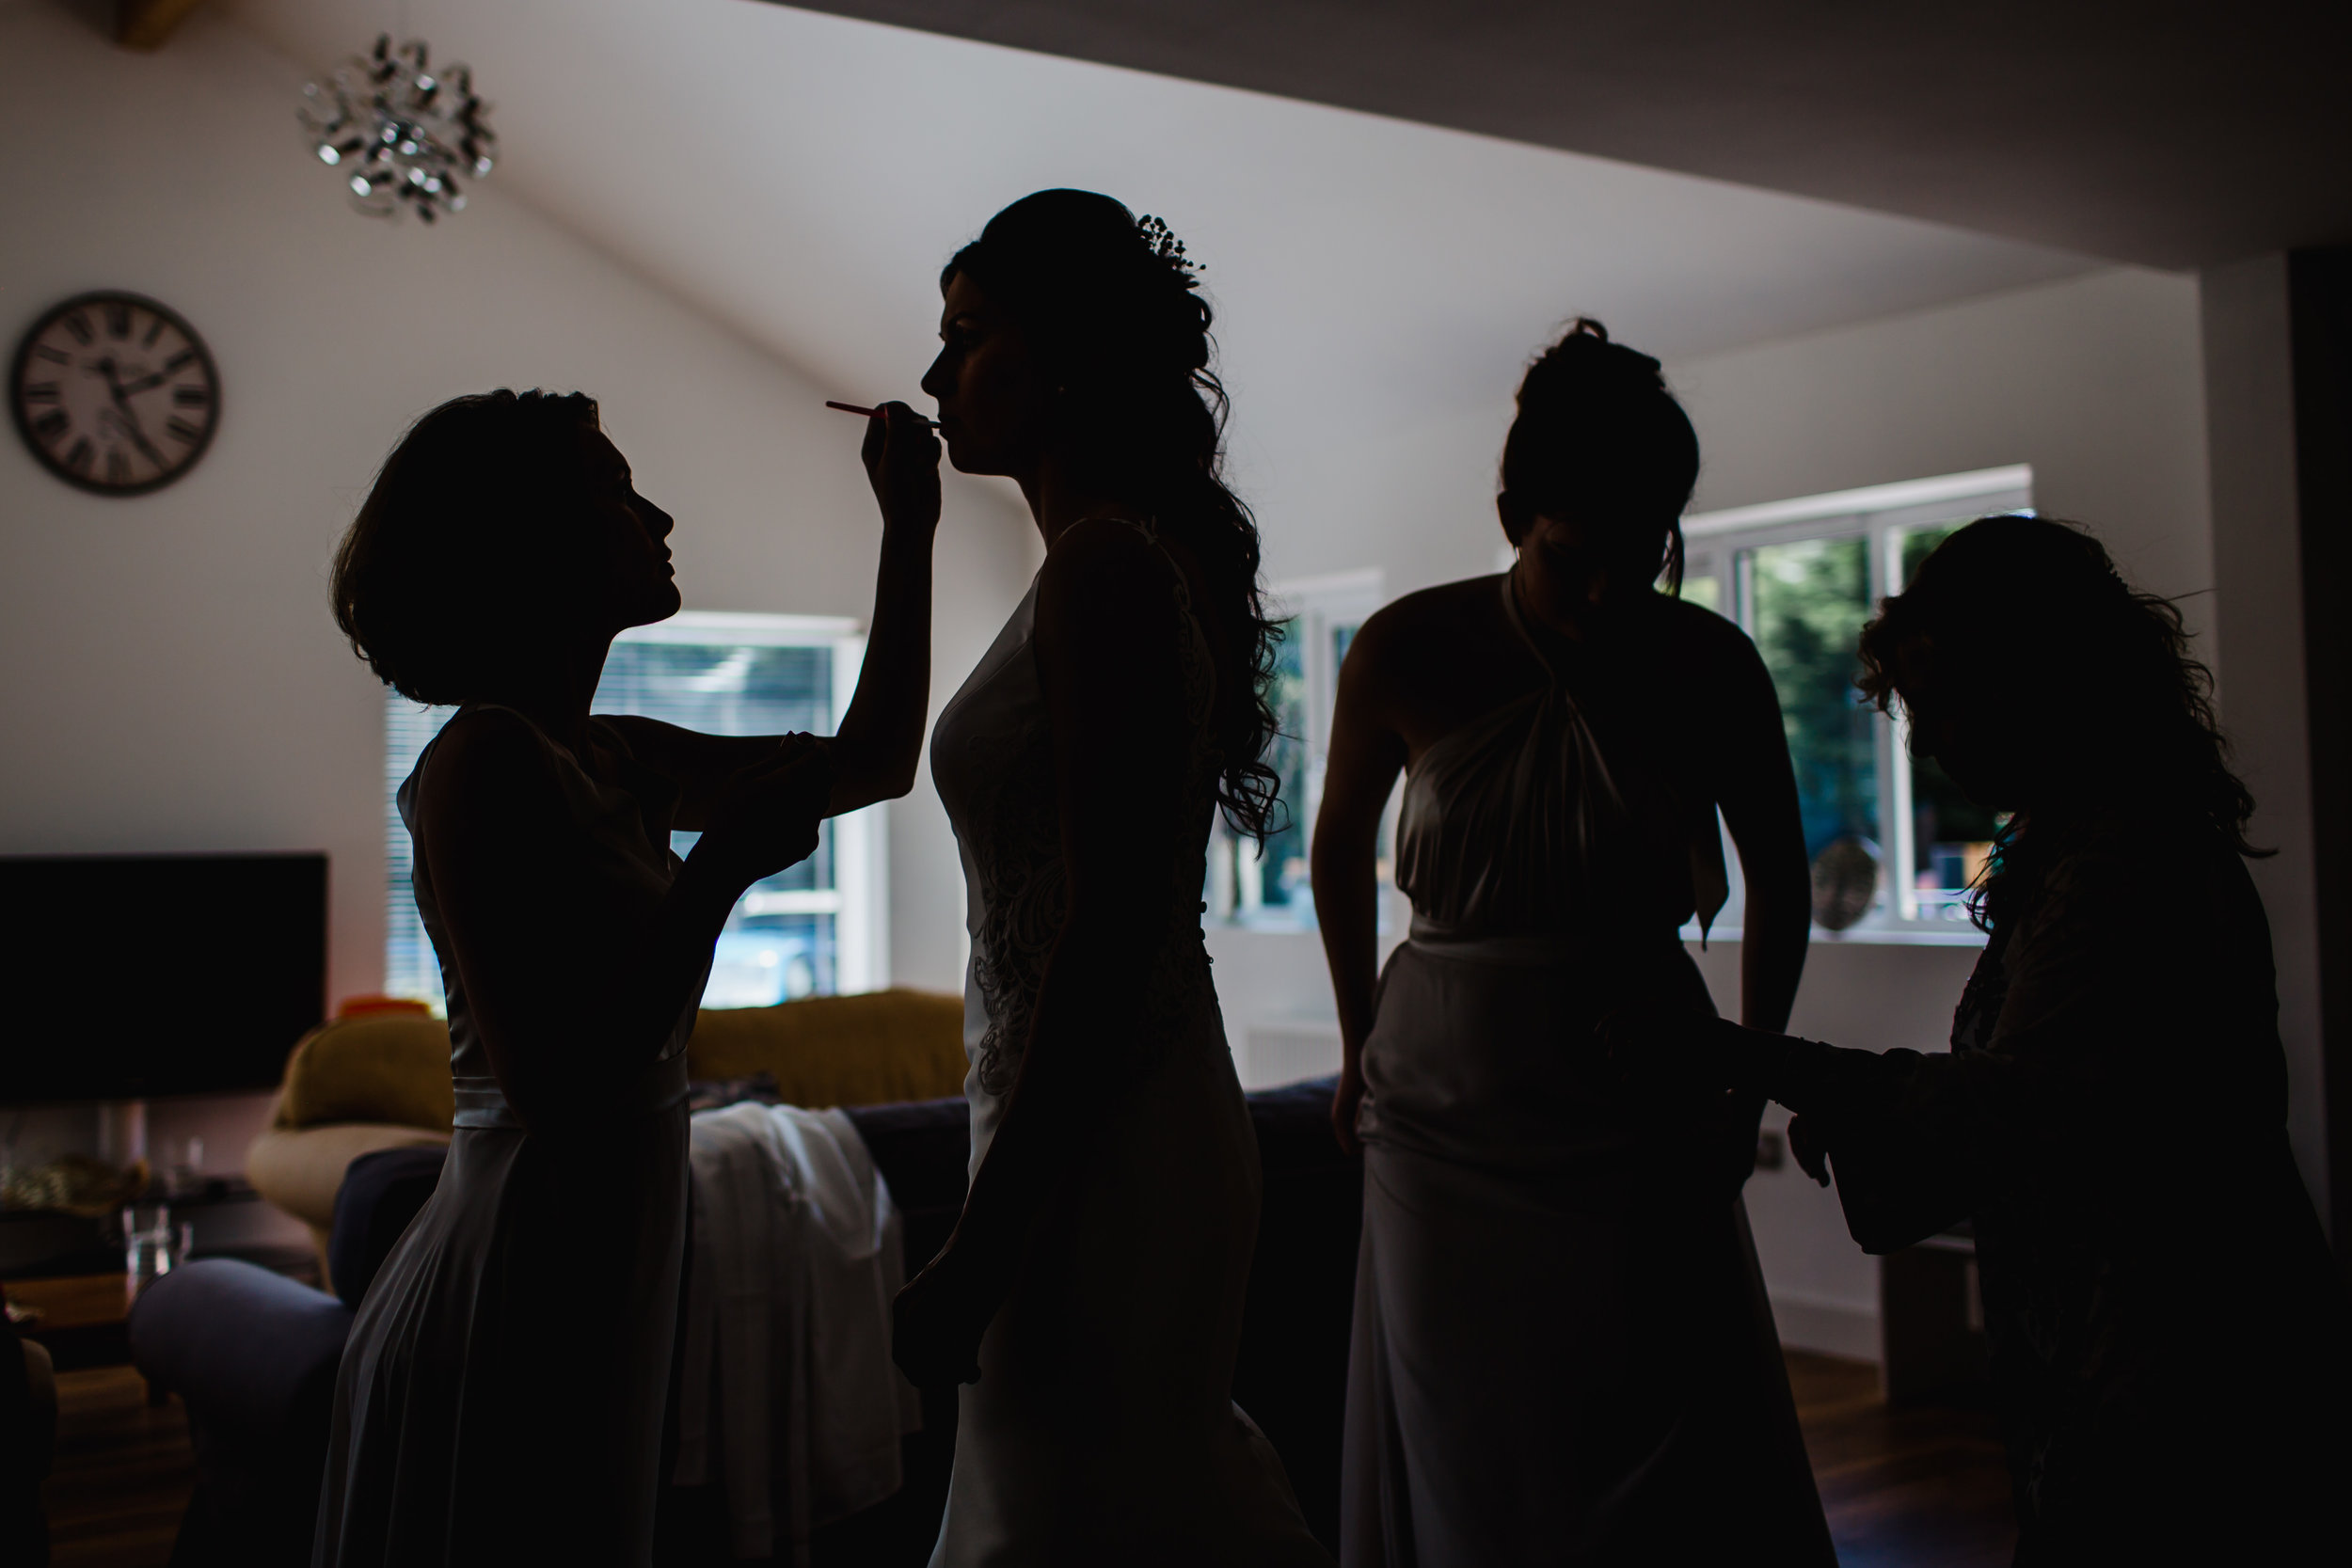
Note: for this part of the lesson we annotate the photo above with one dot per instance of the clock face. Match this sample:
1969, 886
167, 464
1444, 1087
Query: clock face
115, 393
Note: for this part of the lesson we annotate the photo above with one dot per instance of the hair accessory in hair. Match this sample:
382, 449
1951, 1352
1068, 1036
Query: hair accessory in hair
1163, 243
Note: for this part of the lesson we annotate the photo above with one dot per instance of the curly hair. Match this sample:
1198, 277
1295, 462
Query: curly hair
1599, 439
1113, 308
2033, 607
436, 581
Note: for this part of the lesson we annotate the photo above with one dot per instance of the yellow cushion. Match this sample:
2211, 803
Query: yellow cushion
378, 1067
865, 1050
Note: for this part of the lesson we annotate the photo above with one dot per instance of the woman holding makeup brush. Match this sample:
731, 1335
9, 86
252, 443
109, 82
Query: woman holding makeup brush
1091, 1294
500, 1395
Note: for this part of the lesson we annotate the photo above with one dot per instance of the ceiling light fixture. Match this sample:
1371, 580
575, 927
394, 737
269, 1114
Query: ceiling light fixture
401, 133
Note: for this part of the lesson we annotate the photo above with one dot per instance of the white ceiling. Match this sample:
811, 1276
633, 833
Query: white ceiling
802, 177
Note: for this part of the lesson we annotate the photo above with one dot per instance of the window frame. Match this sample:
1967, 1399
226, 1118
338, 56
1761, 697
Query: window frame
1717, 545
1318, 605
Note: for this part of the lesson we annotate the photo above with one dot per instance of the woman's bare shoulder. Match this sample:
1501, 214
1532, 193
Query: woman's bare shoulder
1444, 610
485, 761
1712, 640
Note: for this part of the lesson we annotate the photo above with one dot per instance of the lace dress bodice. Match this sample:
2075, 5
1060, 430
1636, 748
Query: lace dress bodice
992, 760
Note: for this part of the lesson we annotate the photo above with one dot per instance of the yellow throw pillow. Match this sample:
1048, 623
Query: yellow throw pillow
865, 1050
378, 1067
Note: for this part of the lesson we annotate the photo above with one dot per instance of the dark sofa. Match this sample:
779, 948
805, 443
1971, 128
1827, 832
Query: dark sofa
253, 1355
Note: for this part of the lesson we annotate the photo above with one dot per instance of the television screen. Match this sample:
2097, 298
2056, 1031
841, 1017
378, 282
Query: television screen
128, 976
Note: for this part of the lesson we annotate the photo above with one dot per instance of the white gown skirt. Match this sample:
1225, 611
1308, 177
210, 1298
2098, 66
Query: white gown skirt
1562, 1351
1103, 1428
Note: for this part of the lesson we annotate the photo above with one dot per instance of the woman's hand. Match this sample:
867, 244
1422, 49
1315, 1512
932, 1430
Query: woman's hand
1673, 1053
1812, 1158
938, 1319
901, 455
1344, 1103
763, 817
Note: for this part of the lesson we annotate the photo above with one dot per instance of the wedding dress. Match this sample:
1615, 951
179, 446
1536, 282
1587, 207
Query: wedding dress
1102, 1430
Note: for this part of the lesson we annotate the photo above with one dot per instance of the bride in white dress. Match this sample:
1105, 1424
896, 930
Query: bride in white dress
1091, 1295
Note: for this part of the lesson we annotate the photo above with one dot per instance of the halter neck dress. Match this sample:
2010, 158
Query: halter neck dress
1103, 1429
1562, 1348
502, 1395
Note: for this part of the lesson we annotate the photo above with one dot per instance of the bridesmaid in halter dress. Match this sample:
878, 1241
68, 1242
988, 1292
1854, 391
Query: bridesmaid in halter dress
1561, 1349
502, 1395
1091, 1294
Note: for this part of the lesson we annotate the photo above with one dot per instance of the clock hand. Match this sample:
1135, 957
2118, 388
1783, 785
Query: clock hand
141, 385
138, 437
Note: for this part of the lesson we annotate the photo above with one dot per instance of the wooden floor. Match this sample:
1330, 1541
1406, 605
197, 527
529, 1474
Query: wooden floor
1904, 1488
1919, 1488
123, 1472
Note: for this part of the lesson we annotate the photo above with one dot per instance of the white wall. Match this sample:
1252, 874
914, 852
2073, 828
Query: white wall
175, 680
2258, 609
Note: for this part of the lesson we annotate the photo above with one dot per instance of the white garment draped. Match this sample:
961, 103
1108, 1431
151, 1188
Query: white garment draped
787, 1395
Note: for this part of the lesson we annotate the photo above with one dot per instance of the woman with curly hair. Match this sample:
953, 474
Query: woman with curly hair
1562, 1351
1092, 1290
2169, 1335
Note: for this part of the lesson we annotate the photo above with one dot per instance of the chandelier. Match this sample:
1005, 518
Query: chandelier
403, 132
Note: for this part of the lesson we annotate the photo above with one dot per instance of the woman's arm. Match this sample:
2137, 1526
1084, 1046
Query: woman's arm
1757, 790
1106, 656
575, 975
880, 737
1366, 756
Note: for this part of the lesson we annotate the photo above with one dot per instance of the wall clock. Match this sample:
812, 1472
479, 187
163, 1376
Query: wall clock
115, 393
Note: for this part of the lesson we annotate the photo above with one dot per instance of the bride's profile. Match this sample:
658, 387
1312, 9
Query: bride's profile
1091, 1294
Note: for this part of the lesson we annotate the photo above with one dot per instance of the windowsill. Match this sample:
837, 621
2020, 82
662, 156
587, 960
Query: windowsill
1866, 936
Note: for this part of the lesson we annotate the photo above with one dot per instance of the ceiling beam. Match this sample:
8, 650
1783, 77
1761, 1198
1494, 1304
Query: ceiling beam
2170, 132
145, 24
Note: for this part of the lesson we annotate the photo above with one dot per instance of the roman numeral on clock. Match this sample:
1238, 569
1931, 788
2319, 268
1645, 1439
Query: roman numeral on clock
118, 468
78, 323
53, 424
117, 319
40, 391
82, 456
181, 430
192, 397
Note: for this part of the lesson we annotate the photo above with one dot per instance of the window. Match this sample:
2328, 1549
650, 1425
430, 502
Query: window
1802, 578
1266, 886
815, 929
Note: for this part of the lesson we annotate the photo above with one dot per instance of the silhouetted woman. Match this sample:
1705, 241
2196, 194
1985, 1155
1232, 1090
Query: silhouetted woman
1561, 1350
502, 1395
2168, 1336
1093, 1286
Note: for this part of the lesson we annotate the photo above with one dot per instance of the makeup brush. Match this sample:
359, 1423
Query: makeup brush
868, 412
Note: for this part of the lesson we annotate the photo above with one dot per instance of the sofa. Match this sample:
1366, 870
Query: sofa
253, 1355
377, 1077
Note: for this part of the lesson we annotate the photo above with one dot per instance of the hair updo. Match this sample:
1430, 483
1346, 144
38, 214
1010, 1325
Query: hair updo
1600, 440
458, 550
1114, 313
